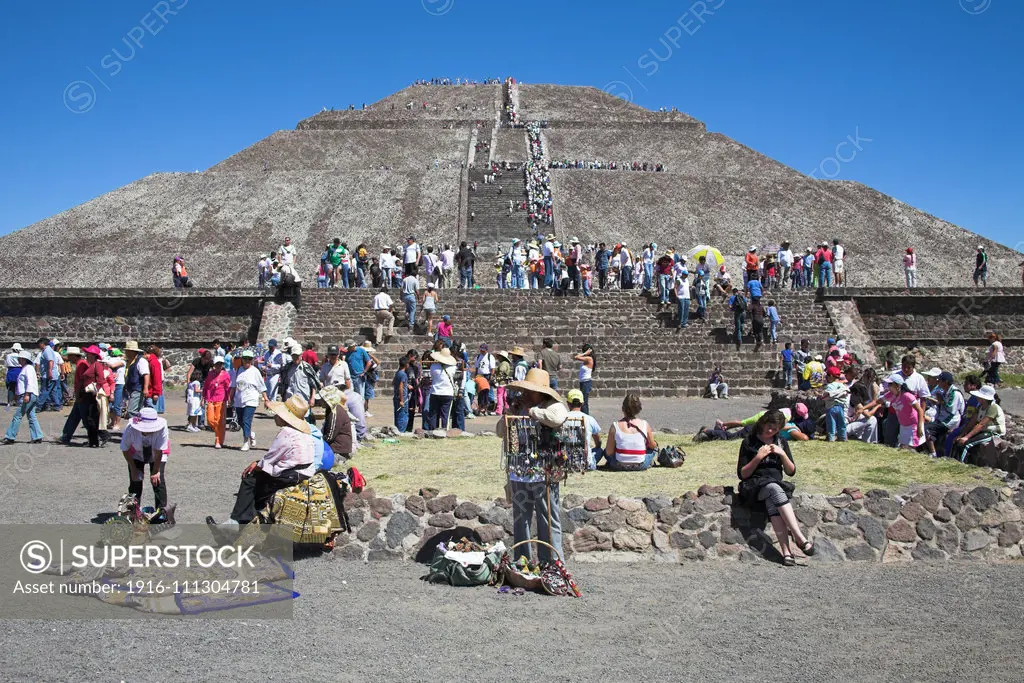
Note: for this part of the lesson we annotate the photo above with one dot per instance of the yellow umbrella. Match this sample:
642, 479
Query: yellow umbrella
712, 256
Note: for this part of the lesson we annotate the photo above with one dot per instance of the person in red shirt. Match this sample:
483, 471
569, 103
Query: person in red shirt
75, 416
88, 383
155, 391
309, 355
751, 265
823, 258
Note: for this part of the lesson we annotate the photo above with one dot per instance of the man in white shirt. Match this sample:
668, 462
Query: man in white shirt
287, 253
383, 311
548, 250
265, 269
839, 262
916, 384
411, 254
785, 258
448, 265
626, 266
27, 391
682, 287
12, 364
335, 372
273, 361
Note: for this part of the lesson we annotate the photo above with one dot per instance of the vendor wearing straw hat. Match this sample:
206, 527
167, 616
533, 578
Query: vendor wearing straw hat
534, 397
442, 387
288, 461
146, 441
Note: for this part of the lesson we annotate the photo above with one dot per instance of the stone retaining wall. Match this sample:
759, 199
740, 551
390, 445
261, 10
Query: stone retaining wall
935, 523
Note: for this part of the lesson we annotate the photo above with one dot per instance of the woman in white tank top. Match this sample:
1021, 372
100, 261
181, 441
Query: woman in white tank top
631, 445
588, 362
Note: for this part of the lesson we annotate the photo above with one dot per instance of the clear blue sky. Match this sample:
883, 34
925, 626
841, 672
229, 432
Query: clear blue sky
934, 84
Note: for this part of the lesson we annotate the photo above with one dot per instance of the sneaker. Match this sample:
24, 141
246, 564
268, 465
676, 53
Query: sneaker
369, 414
216, 445
252, 440
190, 428
245, 446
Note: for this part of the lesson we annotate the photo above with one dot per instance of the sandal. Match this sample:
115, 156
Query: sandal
788, 561
807, 548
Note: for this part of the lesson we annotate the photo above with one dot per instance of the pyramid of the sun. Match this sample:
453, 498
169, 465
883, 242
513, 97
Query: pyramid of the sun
405, 164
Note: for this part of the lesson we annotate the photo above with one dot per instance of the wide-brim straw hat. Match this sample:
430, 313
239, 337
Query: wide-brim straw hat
444, 357
538, 381
518, 351
132, 345
293, 411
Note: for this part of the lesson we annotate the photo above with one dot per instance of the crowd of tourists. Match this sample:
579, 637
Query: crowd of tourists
608, 165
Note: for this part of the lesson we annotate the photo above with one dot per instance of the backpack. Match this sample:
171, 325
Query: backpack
739, 304
311, 375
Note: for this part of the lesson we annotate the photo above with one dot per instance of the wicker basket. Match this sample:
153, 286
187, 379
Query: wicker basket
514, 578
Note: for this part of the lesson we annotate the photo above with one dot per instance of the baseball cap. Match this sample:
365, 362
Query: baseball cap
218, 359
947, 376
800, 409
575, 396
932, 372
248, 354
332, 350
834, 371
350, 342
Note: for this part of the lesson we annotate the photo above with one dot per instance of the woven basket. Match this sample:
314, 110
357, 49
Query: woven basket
514, 578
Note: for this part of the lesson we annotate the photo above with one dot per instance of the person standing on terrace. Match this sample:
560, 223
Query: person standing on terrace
981, 267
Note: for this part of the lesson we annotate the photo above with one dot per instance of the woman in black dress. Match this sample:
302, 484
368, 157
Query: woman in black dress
764, 459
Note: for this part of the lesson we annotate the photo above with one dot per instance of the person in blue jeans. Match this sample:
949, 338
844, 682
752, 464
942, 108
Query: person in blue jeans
48, 392
400, 383
410, 289
738, 304
27, 394
631, 446
786, 358
682, 288
837, 402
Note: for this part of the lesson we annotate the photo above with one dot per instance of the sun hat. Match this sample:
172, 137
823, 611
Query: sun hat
517, 351
575, 396
817, 357
550, 236
148, 421
538, 381
515, 240
573, 240
430, 286
752, 248
16, 347
350, 342
93, 349
116, 353
25, 355
248, 354
103, 345
800, 409
73, 351
444, 357
293, 412
367, 344
985, 393
132, 345
218, 359
932, 372
947, 376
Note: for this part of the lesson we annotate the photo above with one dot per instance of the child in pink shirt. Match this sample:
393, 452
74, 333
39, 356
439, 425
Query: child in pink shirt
909, 412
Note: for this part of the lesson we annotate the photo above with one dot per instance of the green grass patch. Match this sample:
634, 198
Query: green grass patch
470, 468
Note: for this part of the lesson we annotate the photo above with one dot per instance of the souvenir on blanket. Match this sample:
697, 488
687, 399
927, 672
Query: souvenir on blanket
531, 449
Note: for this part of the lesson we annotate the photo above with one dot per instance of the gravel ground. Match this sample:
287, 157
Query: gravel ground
692, 622
713, 621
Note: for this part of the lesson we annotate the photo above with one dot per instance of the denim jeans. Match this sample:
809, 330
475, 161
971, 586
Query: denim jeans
825, 279
245, 414
549, 271
628, 467
410, 308
49, 394
626, 277
359, 385
459, 414
466, 278
684, 312
585, 386
835, 423
135, 403
665, 284
530, 497
24, 410
401, 414
738, 320
344, 276
648, 276
160, 404
517, 277
787, 373
115, 405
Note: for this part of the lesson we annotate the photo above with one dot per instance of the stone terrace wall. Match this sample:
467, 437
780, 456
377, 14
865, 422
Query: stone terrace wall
932, 525
733, 212
395, 148
695, 153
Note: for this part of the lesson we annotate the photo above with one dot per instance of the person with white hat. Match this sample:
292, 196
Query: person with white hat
271, 364
247, 388
146, 441
27, 392
49, 376
535, 398
990, 423
289, 460
13, 365
442, 387
136, 377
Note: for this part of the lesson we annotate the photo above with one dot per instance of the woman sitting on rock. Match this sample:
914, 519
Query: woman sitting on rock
764, 459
